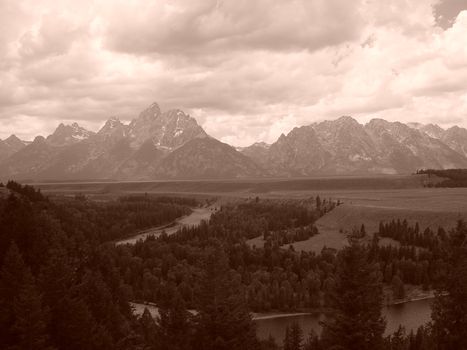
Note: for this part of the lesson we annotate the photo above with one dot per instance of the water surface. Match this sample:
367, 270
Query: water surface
411, 315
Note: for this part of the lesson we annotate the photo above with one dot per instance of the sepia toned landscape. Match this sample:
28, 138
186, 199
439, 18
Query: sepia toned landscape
233, 175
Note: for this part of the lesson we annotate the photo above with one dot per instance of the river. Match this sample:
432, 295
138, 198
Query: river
197, 215
411, 315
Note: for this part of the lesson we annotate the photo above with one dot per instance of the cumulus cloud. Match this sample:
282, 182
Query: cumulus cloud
196, 26
247, 71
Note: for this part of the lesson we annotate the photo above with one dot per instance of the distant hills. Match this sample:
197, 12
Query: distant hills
171, 145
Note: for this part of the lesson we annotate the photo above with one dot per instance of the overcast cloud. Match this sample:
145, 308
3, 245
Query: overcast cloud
246, 70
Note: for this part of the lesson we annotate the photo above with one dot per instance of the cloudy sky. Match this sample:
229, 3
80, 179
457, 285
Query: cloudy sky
246, 70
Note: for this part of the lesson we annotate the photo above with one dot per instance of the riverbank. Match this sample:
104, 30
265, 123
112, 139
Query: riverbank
138, 309
194, 218
412, 293
410, 315
261, 316
149, 230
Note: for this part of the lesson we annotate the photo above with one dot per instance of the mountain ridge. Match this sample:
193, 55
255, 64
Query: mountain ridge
172, 145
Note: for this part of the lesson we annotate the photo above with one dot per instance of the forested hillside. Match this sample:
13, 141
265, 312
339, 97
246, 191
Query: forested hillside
65, 285
59, 288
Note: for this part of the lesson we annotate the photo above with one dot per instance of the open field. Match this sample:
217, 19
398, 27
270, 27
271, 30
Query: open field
367, 200
240, 186
429, 207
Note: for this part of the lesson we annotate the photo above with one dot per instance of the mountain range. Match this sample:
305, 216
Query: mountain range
172, 145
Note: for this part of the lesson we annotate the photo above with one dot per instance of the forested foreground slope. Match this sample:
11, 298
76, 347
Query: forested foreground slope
64, 285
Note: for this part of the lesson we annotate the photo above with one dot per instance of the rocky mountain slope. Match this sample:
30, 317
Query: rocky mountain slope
154, 145
171, 145
207, 158
10, 146
344, 146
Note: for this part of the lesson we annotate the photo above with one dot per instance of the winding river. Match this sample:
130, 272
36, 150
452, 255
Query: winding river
197, 215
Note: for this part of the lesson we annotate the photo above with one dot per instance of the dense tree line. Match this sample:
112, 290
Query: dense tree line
282, 221
450, 177
402, 232
121, 217
26, 190
275, 278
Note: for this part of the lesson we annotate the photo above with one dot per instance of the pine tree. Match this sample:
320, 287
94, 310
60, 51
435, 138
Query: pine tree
268, 344
362, 230
287, 342
30, 317
148, 330
356, 321
23, 319
296, 336
75, 328
398, 340
398, 288
449, 309
312, 342
11, 280
174, 325
223, 321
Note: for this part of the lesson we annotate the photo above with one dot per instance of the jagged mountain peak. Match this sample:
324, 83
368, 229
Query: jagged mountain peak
346, 119
432, 130
377, 122
167, 130
456, 128
68, 134
14, 141
342, 121
149, 114
13, 137
10, 145
39, 139
382, 125
110, 124
344, 124
154, 106
456, 138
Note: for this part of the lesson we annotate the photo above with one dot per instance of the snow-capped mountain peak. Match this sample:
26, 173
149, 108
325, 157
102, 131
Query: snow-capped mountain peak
68, 134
